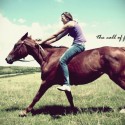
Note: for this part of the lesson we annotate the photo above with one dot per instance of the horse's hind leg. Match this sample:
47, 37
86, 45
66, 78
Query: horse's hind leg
70, 98
44, 86
122, 85
121, 82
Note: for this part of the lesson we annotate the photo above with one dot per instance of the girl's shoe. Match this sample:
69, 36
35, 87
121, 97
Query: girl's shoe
64, 88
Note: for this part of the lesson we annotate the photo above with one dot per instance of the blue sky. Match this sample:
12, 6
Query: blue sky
48, 12
51, 9
41, 18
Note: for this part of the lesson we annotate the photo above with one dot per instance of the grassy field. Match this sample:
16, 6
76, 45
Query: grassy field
8, 70
97, 103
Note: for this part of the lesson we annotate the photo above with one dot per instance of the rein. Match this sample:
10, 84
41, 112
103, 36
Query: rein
42, 52
23, 60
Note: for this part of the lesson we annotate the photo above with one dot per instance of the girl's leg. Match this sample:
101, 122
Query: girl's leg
65, 58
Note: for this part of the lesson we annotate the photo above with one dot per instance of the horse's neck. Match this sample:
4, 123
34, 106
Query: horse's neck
50, 54
35, 53
41, 57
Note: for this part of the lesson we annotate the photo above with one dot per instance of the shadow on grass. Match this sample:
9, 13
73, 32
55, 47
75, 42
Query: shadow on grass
57, 111
122, 107
13, 108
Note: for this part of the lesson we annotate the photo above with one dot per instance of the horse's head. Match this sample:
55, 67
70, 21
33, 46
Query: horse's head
20, 49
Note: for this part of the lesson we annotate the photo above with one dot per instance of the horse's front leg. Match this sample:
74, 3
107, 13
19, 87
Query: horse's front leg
43, 87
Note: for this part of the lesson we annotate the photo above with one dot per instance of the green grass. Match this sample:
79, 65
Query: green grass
97, 103
18, 69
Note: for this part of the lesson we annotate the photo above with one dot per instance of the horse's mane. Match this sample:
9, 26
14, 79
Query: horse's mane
50, 46
46, 45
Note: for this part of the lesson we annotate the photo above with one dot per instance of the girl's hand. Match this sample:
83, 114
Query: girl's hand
38, 41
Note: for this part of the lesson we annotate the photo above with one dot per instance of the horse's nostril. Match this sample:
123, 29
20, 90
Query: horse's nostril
9, 60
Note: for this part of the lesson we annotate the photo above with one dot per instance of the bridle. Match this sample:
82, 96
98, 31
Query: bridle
40, 50
17, 49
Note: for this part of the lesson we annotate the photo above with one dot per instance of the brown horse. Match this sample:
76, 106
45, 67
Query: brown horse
83, 68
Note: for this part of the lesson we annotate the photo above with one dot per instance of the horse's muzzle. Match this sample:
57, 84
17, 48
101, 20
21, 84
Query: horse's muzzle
9, 60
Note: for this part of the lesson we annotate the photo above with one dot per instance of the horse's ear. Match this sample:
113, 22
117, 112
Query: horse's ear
24, 37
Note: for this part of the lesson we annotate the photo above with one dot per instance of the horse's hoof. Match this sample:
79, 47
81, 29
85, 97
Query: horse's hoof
23, 113
122, 111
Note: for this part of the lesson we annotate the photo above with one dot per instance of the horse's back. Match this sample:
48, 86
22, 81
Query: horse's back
85, 67
91, 64
89, 60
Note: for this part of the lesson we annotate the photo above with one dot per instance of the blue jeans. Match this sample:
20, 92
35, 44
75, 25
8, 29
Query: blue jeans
66, 57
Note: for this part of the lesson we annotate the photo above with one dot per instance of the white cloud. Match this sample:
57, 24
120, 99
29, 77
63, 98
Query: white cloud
10, 33
93, 42
21, 20
94, 25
